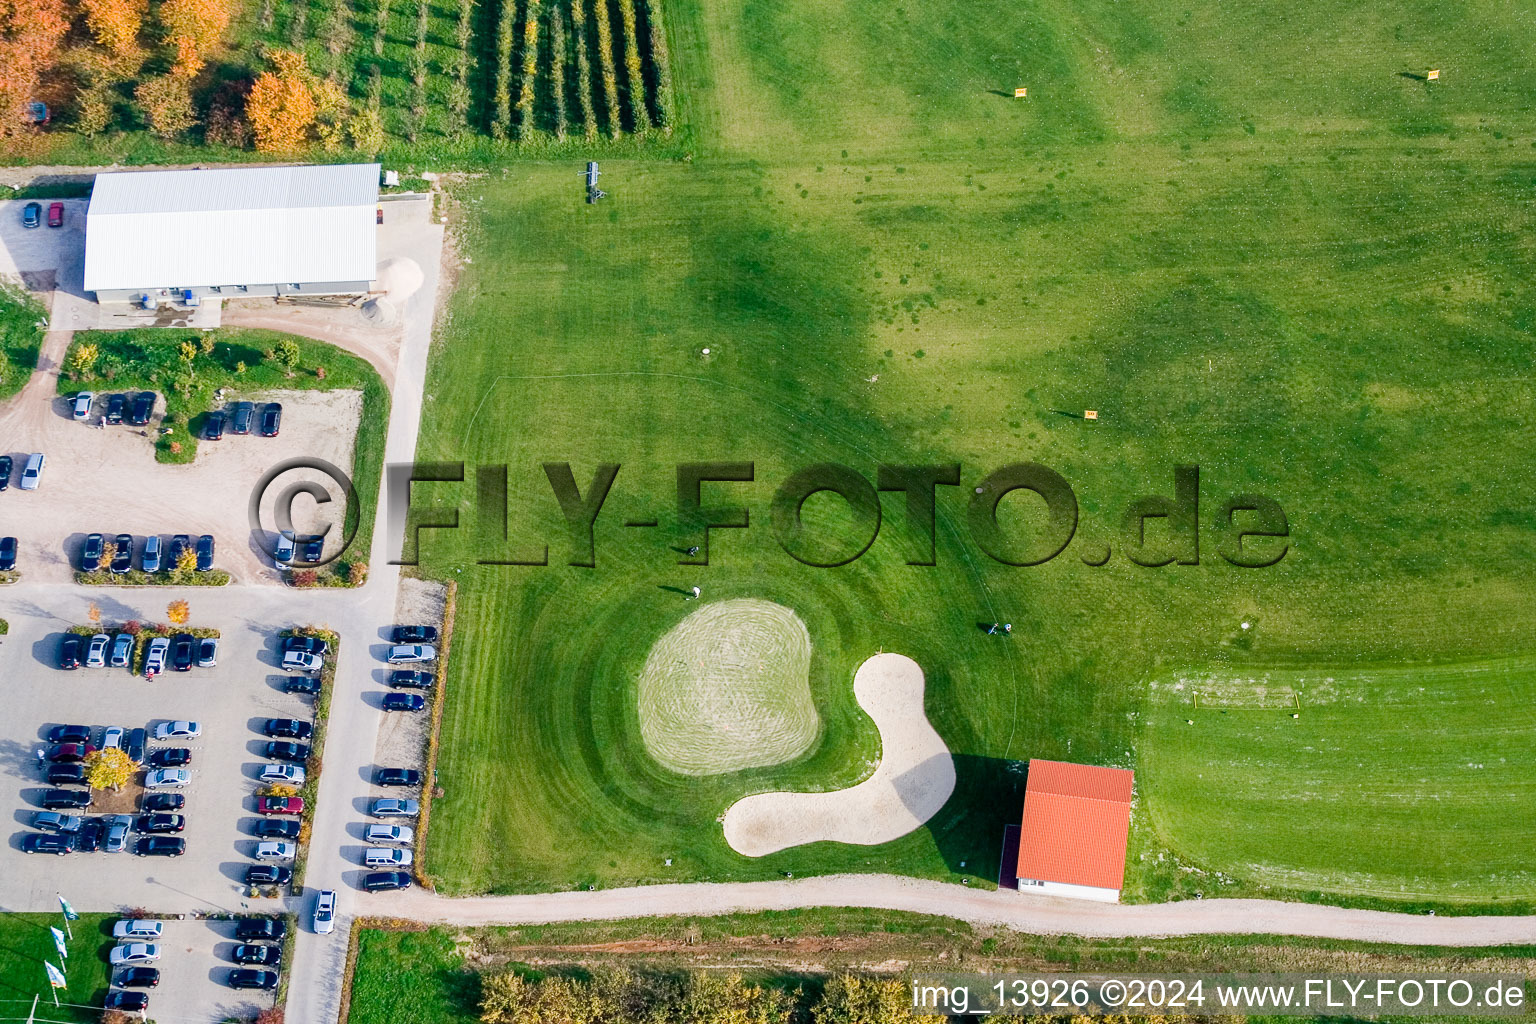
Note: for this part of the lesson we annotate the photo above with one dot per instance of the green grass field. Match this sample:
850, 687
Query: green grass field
25, 943
1266, 253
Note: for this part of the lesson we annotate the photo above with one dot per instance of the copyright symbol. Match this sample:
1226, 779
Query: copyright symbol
304, 498
1112, 993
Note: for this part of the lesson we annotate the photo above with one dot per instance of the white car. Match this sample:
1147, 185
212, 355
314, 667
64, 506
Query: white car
276, 851
325, 912
82, 405
399, 835
139, 929
155, 654
32, 473
167, 778
112, 739
134, 953
178, 731
96, 653
122, 650
290, 774
208, 652
404, 654
302, 661
379, 857
282, 553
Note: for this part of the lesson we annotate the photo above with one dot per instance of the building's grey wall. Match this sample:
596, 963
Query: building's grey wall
232, 291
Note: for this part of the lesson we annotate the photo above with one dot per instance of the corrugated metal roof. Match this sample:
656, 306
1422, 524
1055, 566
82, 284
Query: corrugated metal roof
230, 226
1077, 819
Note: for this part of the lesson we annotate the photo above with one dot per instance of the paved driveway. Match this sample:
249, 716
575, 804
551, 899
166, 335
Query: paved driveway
194, 962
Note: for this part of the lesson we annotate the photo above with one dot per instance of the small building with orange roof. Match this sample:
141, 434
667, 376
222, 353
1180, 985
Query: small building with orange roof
1076, 821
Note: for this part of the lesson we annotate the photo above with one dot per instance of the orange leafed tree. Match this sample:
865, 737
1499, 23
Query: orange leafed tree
193, 28
30, 32
281, 107
115, 23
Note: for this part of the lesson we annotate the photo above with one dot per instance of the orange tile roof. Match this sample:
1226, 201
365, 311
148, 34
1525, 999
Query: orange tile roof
1076, 819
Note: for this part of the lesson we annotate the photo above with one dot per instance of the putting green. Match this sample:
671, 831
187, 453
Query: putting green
728, 688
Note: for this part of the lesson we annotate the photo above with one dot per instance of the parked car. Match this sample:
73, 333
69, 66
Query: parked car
378, 857
160, 846
151, 824
69, 753
324, 919
314, 549
80, 406
88, 839
252, 977
134, 953
113, 735
179, 543
302, 661
170, 757
90, 553
415, 635
65, 799
205, 552
404, 654
53, 821
158, 803
241, 415
178, 730
32, 215
276, 828
288, 774
183, 651
394, 835
155, 655
279, 805
55, 215
126, 1002
96, 651
6, 465
311, 644
302, 684
271, 419
140, 928
258, 953
117, 832
389, 807
66, 775
7, 554
142, 409
122, 655
44, 842
32, 472
134, 747
288, 728
406, 679
139, 977
383, 881
287, 750
149, 560
70, 734
116, 405
269, 929
213, 426
208, 652
167, 778
404, 702
397, 777
122, 553
276, 850
282, 551
268, 874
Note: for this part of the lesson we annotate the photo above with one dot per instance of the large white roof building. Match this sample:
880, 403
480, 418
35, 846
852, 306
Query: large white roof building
232, 232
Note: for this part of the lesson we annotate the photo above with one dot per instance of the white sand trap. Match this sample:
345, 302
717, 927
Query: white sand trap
915, 777
729, 688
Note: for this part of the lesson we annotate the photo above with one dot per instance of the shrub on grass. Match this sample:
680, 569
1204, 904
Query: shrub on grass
501, 121
557, 69
282, 105
583, 70
530, 70
662, 63
642, 116
380, 26
336, 30
610, 75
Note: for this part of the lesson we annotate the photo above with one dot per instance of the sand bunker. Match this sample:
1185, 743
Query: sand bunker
729, 688
915, 777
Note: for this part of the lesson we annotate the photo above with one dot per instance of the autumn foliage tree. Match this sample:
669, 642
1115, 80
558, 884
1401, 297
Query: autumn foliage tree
282, 107
179, 611
108, 768
166, 103
30, 33
115, 23
193, 28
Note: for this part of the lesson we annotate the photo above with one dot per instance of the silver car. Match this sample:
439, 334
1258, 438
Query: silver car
96, 653
154, 656
390, 807
32, 475
405, 654
270, 851
398, 835
134, 953
122, 651
81, 406
325, 912
167, 778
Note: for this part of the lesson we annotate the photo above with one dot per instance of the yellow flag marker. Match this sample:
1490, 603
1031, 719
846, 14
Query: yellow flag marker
1433, 76
1020, 93
1090, 414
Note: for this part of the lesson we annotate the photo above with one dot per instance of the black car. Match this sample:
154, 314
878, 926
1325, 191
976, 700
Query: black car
156, 803
252, 977
415, 635
116, 404
69, 651
143, 408
302, 684
47, 842
122, 554
90, 553
285, 750
90, 835
269, 929
161, 846
241, 417
5, 472
397, 777
183, 651
178, 544
158, 823
257, 953
139, 977
311, 644
271, 419
66, 775
169, 757
128, 1002
134, 747
405, 679
290, 728
70, 734
268, 874
213, 426
64, 799
404, 702
276, 828
205, 552
383, 881
7, 554
314, 549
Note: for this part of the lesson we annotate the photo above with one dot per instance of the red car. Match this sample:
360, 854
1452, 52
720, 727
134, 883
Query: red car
55, 215
280, 805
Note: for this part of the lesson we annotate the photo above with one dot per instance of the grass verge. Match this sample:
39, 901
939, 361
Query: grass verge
429, 775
